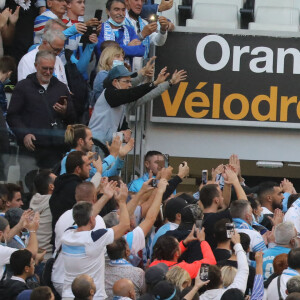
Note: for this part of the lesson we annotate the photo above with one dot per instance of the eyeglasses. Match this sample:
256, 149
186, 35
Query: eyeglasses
125, 81
56, 50
50, 69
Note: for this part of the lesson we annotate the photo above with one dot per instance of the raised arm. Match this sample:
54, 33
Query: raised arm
124, 223
152, 213
241, 277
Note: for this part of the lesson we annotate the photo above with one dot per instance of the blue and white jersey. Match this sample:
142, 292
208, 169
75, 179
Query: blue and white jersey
268, 258
83, 253
256, 241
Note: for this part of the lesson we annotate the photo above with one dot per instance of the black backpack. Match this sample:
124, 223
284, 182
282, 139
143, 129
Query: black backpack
79, 88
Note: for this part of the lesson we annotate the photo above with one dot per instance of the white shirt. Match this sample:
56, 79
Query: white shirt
26, 67
81, 252
272, 292
156, 38
293, 215
5, 253
64, 222
135, 240
266, 211
240, 279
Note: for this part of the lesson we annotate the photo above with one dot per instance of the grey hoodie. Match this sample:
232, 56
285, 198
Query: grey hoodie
40, 203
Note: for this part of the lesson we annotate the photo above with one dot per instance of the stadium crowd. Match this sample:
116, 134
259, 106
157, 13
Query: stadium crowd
81, 232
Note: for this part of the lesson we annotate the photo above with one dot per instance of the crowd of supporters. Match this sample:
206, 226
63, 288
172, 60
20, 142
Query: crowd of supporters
80, 232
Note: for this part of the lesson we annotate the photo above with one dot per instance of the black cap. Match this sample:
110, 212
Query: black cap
13, 216
164, 290
174, 206
156, 274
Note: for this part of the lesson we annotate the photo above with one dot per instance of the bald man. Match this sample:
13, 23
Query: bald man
83, 287
124, 288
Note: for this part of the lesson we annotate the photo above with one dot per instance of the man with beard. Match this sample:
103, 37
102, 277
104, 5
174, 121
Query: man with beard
37, 116
78, 166
215, 206
270, 196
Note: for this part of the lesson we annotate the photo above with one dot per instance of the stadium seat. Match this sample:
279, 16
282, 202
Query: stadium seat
211, 24
216, 15
276, 18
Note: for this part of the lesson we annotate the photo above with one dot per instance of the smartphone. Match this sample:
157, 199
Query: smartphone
120, 134
198, 224
62, 99
85, 37
153, 18
166, 156
98, 14
95, 156
154, 182
204, 272
204, 176
229, 230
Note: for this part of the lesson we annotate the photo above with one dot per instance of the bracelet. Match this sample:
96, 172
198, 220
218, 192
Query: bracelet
32, 231
184, 244
170, 83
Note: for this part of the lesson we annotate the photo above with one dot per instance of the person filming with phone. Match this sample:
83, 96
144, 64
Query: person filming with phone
167, 250
36, 115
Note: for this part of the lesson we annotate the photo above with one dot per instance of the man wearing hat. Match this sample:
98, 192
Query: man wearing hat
109, 111
191, 215
172, 213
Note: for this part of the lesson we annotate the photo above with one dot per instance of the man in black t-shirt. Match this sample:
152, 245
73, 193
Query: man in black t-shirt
213, 201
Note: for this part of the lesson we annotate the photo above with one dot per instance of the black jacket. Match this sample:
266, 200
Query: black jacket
10, 289
63, 197
28, 113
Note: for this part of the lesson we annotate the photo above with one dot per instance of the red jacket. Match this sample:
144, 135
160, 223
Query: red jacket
193, 268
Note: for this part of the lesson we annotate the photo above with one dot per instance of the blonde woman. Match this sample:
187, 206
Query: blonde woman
228, 274
179, 277
112, 56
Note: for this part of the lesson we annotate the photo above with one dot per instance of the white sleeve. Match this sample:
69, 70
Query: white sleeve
158, 39
138, 242
241, 277
61, 76
96, 179
24, 69
5, 253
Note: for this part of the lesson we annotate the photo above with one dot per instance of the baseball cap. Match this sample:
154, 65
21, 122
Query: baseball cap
119, 71
13, 216
156, 274
174, 206
191, 213
165, 290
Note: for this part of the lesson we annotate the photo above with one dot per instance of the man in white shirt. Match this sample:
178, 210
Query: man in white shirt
53, 41
32, 224
148, 33
291, 271
85, 191
82, 247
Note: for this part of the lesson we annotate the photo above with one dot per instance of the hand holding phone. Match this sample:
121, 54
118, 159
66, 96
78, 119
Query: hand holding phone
62, 99
204, 270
